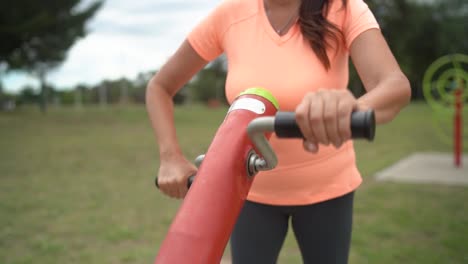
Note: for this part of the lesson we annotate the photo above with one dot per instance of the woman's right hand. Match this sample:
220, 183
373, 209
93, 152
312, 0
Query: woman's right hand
173, 175
173, 75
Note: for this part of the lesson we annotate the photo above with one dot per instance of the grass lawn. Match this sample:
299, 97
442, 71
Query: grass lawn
77, 187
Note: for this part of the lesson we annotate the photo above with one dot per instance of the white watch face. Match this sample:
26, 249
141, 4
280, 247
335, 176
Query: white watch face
249, 104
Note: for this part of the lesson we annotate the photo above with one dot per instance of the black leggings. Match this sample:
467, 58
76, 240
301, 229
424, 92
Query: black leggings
322, 230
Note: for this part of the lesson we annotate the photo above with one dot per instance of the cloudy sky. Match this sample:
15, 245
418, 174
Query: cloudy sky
125, 37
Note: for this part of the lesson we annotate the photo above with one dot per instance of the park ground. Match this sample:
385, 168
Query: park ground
76, 186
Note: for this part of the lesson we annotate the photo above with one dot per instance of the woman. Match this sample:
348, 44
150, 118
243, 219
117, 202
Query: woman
299, 51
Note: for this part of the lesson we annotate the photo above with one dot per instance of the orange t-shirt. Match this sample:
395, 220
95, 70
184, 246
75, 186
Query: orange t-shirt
286, 66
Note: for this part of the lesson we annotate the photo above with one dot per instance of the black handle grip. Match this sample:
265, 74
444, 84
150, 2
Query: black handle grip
189, 181
362, 125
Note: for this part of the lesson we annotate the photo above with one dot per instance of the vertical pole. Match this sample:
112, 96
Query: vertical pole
78, 98
458, 128
102, 95
123, 91
44, 91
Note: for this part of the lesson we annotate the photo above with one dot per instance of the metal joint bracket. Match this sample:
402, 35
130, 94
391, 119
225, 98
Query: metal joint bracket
256, 131
199, 160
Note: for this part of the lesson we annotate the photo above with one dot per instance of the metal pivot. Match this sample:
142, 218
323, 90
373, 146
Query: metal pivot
256, 131
199, 160
266, 158
251, 161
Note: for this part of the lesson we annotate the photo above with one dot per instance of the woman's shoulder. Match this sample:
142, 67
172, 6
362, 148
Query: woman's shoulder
240, 4
236, 10
344, 12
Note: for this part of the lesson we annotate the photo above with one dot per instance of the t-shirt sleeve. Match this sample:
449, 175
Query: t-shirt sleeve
206, 38
359, 18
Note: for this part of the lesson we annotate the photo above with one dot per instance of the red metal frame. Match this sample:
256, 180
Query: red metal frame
202, 227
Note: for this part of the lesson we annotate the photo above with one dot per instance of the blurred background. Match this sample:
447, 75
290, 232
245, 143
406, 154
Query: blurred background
78, 157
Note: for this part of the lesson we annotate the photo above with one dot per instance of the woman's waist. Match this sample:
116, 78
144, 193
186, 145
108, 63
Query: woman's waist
291, 153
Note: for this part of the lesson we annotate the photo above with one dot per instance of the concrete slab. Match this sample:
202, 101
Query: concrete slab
431, 168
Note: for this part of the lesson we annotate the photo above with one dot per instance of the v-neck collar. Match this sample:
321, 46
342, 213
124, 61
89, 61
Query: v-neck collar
279, 40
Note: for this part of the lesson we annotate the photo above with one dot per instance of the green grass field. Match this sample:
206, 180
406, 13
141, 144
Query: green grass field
77, 187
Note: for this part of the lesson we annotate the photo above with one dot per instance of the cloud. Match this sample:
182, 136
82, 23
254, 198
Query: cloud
126, 37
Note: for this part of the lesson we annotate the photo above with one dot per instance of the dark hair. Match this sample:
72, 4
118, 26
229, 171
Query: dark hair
320, 33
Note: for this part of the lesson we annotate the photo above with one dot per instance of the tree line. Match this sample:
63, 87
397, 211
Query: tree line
207, 86
36, 36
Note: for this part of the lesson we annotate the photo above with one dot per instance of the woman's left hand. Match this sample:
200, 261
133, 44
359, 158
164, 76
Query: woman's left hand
324, 118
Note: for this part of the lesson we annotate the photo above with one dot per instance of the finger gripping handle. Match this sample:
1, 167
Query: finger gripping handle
362, 125
189, 181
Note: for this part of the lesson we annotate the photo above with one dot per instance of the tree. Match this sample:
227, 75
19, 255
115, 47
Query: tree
27, 96
419, 32
36, 35
209, 82
2, 69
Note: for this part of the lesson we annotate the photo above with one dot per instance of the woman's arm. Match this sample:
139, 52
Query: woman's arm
388, 89
324, 116
179, 69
